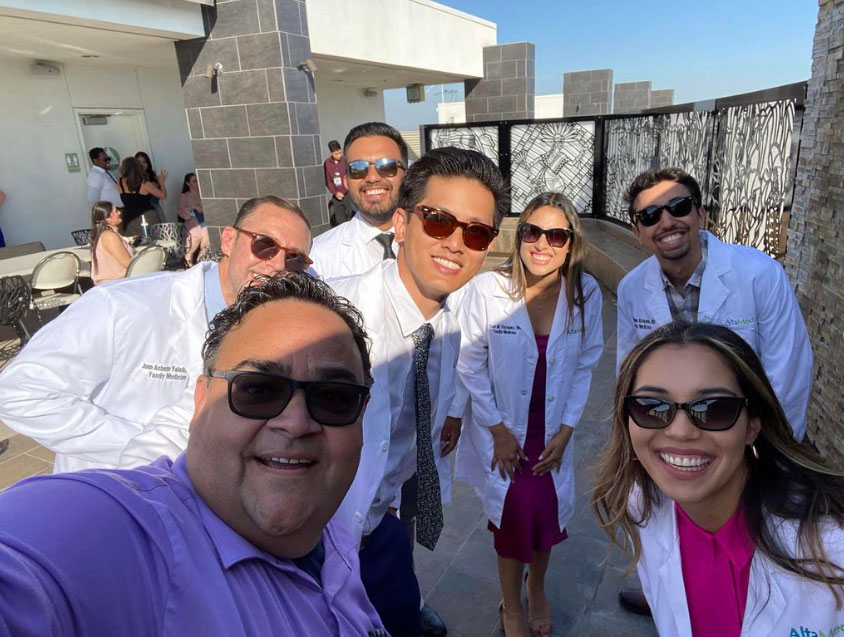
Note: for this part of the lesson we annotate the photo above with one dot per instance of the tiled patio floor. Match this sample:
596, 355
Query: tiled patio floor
460, 578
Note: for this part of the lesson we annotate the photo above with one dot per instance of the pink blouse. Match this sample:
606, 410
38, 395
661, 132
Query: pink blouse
716, 573
189, 201
108, 268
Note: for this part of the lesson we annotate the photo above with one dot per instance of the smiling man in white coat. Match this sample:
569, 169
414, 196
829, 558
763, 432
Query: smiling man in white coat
376, 161
450, 204
694, 276
94, 378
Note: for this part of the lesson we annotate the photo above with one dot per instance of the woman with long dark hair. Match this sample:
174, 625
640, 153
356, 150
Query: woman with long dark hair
110, 251
136, 192
531, 336
190, 211
159, 180
736, 528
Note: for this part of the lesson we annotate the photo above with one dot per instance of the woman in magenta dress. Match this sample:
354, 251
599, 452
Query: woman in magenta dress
531, 336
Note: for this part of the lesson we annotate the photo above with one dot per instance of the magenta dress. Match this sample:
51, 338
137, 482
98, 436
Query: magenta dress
529, 518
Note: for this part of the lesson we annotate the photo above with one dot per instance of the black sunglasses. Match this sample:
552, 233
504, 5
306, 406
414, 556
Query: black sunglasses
265, 248
264, 396
677, 207
716, 413
386, 167
440, 224
557, 237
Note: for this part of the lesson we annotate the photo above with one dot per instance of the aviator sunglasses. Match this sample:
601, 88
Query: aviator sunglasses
557, 237
715, 413
265, 248
440, 224
386, 167
263, 396
677, 207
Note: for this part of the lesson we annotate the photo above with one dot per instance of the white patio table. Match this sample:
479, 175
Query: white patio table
25, 264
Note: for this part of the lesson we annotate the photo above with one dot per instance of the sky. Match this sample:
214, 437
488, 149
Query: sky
703, 49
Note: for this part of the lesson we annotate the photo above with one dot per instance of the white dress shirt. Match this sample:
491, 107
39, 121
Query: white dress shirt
102, 186
350, 248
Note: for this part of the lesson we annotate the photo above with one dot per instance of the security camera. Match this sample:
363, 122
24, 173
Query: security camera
308, 64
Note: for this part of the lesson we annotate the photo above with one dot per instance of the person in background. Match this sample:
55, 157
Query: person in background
235, 536
110, 251
736, 528
190, 211
159, 180
531, 335
136, 192
102, 185
339, 207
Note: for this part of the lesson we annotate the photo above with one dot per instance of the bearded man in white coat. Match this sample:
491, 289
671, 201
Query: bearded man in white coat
376, 161
100, 375
450, 204
694, 276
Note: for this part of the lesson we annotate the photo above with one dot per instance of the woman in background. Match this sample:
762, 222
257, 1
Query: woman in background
159, 180
110, 251
531, 336
190, 210
736, 528
136, 192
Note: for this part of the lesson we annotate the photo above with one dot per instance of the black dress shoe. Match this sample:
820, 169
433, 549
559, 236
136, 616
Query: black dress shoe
430, 623
633, 600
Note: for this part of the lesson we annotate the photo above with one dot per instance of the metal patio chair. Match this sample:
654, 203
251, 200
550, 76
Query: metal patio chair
81, 237
173, 237
146, 260
59, 271
15, 299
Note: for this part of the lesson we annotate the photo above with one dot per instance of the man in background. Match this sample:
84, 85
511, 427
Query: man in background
102, 185
339, 207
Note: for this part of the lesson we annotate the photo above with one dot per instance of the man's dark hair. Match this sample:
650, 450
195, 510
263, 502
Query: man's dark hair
454, 162
94, 153
651, 178
376, 129
296, 286
250, 206
333, 145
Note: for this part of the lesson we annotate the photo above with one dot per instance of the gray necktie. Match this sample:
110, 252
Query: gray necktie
429, 517
386, 241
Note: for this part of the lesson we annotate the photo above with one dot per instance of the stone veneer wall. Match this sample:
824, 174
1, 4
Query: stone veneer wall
508, 87
587, 93
631, 97
815, 259
662, 97
254, 127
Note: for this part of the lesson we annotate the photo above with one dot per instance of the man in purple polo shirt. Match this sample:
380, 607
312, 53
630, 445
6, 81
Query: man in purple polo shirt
234, 537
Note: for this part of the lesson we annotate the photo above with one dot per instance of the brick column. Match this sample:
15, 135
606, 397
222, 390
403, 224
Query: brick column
253, 126
815, 259
631, 97
508, 88
587, 93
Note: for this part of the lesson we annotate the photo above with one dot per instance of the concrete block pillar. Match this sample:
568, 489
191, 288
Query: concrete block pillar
815, 257
253, 124
662, 97
587, 93
508, 88
631, 97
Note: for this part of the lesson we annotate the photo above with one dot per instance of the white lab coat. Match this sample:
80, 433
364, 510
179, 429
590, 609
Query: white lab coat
497, 362
343, 251
88, 381
743, 289
366, 292
778, 602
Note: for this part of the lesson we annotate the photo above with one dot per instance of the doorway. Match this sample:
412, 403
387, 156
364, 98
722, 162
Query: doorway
121, 132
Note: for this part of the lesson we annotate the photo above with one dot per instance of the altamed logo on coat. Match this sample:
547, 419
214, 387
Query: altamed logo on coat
802, 631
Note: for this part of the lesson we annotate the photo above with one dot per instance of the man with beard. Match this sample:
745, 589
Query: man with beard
695, 277
376, 161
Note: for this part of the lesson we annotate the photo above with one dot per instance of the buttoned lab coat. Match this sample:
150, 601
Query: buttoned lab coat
366, 292
88, 381
343, 250
743, 289
777, 601
498, 358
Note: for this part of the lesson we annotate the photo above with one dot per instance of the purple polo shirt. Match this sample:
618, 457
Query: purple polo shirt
137, 552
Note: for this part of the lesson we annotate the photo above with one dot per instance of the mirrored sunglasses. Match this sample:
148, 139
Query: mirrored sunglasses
677, 207
386, 167
263, 396
556, 237
440, 224
266, 248
714, 413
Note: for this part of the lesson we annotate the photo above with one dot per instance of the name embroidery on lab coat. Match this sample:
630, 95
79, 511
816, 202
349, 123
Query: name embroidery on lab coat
165, 372
644, 323
500, 328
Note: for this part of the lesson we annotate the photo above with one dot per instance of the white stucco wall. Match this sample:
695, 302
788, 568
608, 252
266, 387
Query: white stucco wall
44, 201
548, 106
451, 112
342, 108
407, 33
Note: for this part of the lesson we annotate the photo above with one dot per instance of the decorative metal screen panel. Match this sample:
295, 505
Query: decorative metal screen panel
752, 176
483, 139
631, 148
554, 156
685, 141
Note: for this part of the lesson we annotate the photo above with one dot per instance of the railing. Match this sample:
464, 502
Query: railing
742, 150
